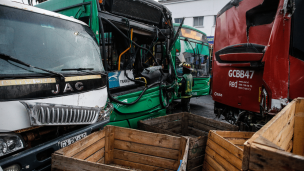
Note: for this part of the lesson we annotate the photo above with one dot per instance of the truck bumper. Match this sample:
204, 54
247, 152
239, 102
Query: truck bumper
27, 159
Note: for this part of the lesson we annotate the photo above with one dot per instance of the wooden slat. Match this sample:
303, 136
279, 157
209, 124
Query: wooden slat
213, 163
207, 167
146, 149
168, 125
298, 140
285, 144
184, 124
133, 165
198, 168
96, 156
163, 119
201, 126
284, 135
235, 134
197, 147
197, 132
195, 162
226, 144
265, 128
146, 159
267, 158
220, 160
60, 162
81, 144
237, 141
185, 152
109, 146
90, 150
176, 130
278, 123
147, 138
146, 127
212, 123
101, 161
237, 162
241, 146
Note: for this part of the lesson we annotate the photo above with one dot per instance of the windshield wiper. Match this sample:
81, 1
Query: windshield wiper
77, 69
7, 58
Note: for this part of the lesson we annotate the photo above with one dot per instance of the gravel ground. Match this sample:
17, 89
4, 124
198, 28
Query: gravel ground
202, 106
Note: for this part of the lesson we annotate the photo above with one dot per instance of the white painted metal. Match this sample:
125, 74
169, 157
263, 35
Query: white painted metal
38, 10
13, 114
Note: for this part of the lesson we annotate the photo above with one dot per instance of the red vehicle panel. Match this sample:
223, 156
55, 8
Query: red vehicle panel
258, 58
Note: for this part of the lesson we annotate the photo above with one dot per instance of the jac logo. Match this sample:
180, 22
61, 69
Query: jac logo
218, 94
68, 87
233, 84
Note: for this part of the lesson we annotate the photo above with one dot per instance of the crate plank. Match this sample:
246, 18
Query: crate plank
184, 124
298, 142
237, 141
197, 168
109, 144
164, 119
146, 127
197, 132
235, 134
284, 135
146, 149
212, 123
101, 161
96, 156
81, 144
213, 163
220, 160
176, 130
60, 162
226, 144
168, 125
83, 154
267, 158
185, 152
143, 137
146, 159
201, 126
194, 162
237, 162
207, 167
132, 165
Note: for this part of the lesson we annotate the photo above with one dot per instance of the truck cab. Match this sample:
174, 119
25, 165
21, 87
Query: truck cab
52, 85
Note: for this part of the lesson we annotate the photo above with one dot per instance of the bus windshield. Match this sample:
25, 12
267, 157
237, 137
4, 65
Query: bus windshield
46, 42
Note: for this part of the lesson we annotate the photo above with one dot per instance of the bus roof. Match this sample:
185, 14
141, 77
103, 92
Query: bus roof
188, 27
38, 10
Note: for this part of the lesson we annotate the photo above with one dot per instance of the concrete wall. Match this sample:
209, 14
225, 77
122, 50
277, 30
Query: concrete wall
190, 9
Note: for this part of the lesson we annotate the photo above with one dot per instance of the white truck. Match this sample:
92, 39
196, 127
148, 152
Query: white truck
52, 85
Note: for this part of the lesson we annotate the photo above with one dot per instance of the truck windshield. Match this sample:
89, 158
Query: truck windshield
47, 42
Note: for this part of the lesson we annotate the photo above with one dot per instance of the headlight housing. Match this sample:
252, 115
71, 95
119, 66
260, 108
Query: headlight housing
10, 143
106, 112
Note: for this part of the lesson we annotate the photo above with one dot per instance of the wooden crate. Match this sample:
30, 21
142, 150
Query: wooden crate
122, 149
224, 150
279, 145
186, 124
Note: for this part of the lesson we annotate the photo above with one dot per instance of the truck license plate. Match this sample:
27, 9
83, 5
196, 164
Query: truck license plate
71, 140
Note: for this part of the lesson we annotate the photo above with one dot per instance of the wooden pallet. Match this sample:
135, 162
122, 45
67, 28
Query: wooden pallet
279, 145
115, 146
225, 150
185, 124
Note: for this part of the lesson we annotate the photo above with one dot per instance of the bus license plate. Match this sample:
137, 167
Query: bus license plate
71, 140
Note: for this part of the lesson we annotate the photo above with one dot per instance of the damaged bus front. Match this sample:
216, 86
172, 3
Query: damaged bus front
135, 38
52, 85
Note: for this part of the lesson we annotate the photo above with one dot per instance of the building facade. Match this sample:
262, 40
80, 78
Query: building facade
200, 14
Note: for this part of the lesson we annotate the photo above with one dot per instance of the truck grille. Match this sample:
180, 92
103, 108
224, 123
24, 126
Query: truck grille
51, 114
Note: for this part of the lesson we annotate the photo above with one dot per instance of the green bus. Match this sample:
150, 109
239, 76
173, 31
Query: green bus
134, 37
192, 47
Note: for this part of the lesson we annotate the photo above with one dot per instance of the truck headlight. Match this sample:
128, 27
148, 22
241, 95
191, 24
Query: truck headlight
10, 143
106, 112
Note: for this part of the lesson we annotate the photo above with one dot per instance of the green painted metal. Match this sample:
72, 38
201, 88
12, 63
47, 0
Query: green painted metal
125, 116
201, 84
